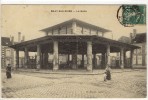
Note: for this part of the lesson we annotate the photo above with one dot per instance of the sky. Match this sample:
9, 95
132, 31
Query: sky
29, 19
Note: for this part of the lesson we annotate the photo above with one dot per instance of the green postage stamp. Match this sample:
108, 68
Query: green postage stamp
130, 15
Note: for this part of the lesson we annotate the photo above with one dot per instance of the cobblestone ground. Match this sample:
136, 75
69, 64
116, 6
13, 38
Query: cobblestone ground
35, 85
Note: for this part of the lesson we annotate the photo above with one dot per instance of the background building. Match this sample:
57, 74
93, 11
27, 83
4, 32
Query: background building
139, 39
7, 52
74, 44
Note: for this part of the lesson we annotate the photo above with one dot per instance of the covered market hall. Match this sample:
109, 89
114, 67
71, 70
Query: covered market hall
72, 38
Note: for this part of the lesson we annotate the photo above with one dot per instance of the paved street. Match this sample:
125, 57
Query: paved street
127, 84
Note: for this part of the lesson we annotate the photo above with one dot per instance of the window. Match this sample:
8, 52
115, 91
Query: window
139, 51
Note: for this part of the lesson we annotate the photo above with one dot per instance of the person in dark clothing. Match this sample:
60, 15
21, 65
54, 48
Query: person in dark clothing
107, 73
8, 71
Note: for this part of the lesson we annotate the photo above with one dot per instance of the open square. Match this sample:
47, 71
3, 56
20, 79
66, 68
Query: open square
124, 84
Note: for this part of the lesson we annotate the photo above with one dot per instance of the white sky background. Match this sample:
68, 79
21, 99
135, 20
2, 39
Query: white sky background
29, 19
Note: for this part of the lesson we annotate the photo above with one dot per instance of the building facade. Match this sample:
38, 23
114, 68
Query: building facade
79, 41
7, 53
140, 54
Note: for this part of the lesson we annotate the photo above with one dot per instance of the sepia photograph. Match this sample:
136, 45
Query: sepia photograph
73, 51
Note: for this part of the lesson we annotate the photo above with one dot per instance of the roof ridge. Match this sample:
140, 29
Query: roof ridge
77, 20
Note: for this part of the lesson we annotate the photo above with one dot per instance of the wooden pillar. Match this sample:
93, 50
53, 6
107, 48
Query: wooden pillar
89, 55
42, 58
46, 59
68, 59
125, 61
55, 56
94, 61
108, 56
26, 57
74, 61
122, 58
17, 59
83, 60
136, 57
74, 26
118, 60
38, 63
131, 58
103, 60
143, 55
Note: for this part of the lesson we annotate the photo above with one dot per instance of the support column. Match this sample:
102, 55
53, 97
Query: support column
17, 59
136, 57
103, 60
38, 63
26, 57
143, 55
94, 61
131, 58
82, 61
42, 60
89, 55
42, 56
45, 59
108, 56
68, 59
125, 61
55, 56
74, 61
122, 58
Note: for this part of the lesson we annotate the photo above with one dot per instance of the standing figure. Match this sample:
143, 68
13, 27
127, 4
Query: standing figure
8, 71
107, 73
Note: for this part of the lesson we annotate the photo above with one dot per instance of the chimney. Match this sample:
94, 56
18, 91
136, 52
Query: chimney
23, 38
133, 35
19, 36
12, 40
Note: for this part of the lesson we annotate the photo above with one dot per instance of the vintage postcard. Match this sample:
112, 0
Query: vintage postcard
73, 51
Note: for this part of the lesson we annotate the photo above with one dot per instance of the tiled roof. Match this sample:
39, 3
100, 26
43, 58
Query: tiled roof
5, 41
72, 38
140, 38
77, 21
124, 39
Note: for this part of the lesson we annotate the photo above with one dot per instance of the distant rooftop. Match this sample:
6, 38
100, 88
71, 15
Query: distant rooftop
124, 39
78, 22
5, 41
140, 38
